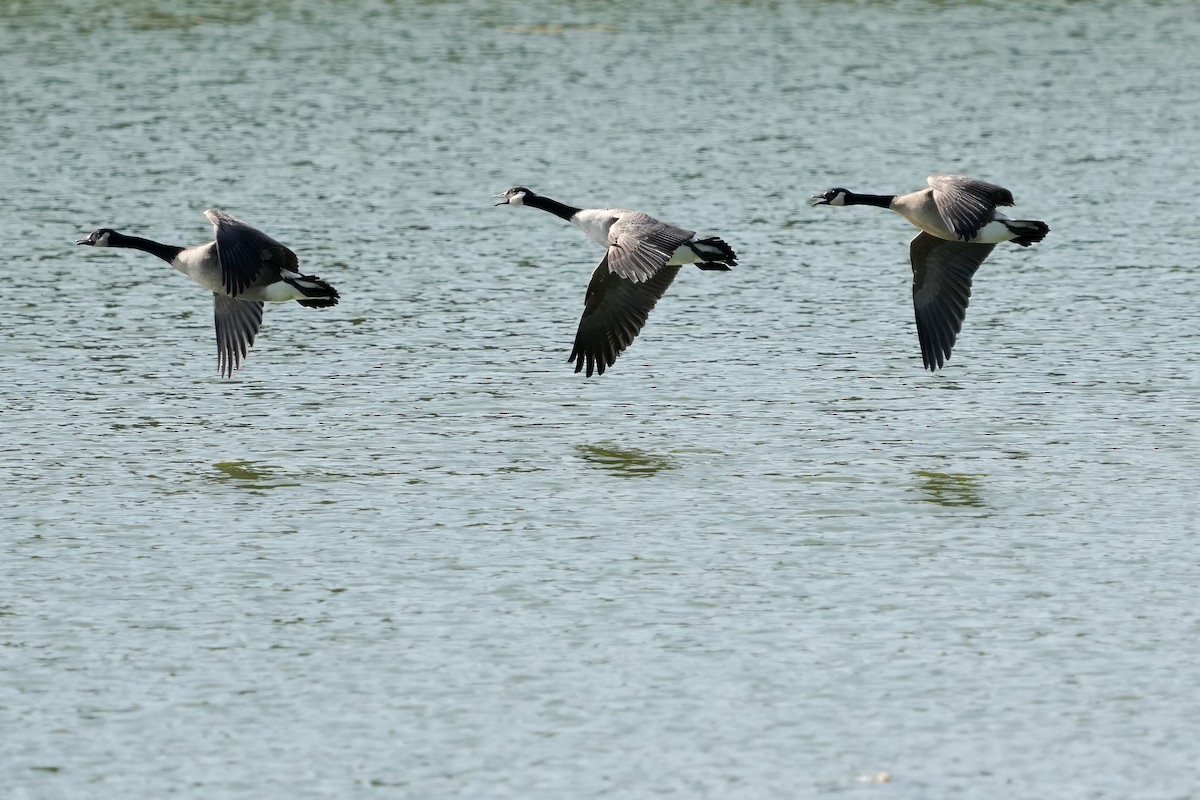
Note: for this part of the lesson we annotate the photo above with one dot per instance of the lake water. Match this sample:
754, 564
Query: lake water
406, 552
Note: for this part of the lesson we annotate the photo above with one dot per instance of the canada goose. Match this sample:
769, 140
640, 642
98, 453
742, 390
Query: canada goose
642, 256
959, 227
243, 268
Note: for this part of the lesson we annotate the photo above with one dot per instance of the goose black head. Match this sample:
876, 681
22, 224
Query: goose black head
98, 238
831, 197
514, 196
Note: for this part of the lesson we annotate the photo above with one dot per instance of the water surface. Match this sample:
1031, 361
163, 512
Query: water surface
405, 552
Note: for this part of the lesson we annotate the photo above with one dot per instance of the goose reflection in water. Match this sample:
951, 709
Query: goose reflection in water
255, 475
950, 489
624, 462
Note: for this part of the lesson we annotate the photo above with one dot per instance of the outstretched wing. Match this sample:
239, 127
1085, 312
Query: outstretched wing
615, 310
966, 204
237, 324
942, 273
244, 251
639, 245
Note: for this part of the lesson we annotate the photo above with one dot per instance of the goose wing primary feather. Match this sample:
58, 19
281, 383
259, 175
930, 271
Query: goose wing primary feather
966, 204
615, 310
639, 245
942, 273
244, 251
237, 324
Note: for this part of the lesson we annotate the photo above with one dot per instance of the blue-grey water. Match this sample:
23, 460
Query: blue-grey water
407, 553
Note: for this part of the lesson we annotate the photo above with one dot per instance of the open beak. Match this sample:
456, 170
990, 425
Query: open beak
503, 199
817, 200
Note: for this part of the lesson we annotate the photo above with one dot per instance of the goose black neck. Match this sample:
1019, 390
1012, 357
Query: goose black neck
880, 200
167, 252
553, 206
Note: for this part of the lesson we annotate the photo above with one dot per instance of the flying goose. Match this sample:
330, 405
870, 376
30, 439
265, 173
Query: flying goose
959, 227
243, 268
642, 256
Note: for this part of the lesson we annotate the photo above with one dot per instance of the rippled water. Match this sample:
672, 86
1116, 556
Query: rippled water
407, 553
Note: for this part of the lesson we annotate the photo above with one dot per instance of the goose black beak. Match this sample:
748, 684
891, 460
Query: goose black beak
84, 241
817, 200
503, 200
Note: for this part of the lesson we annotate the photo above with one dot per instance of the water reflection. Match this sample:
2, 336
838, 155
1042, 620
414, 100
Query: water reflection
251, 475
158, 20
950, 489
624, 462
547, 27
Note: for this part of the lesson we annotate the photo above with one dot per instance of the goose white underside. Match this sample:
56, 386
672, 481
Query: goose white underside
994, 232
200, 264
278, 292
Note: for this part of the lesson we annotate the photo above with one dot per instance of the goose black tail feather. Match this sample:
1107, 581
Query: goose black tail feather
317, 293
1028, 237
714, 251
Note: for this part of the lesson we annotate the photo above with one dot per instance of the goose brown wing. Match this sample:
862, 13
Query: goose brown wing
639, 245
237, 323
965, 204
244, 252
942, 273
615, 310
